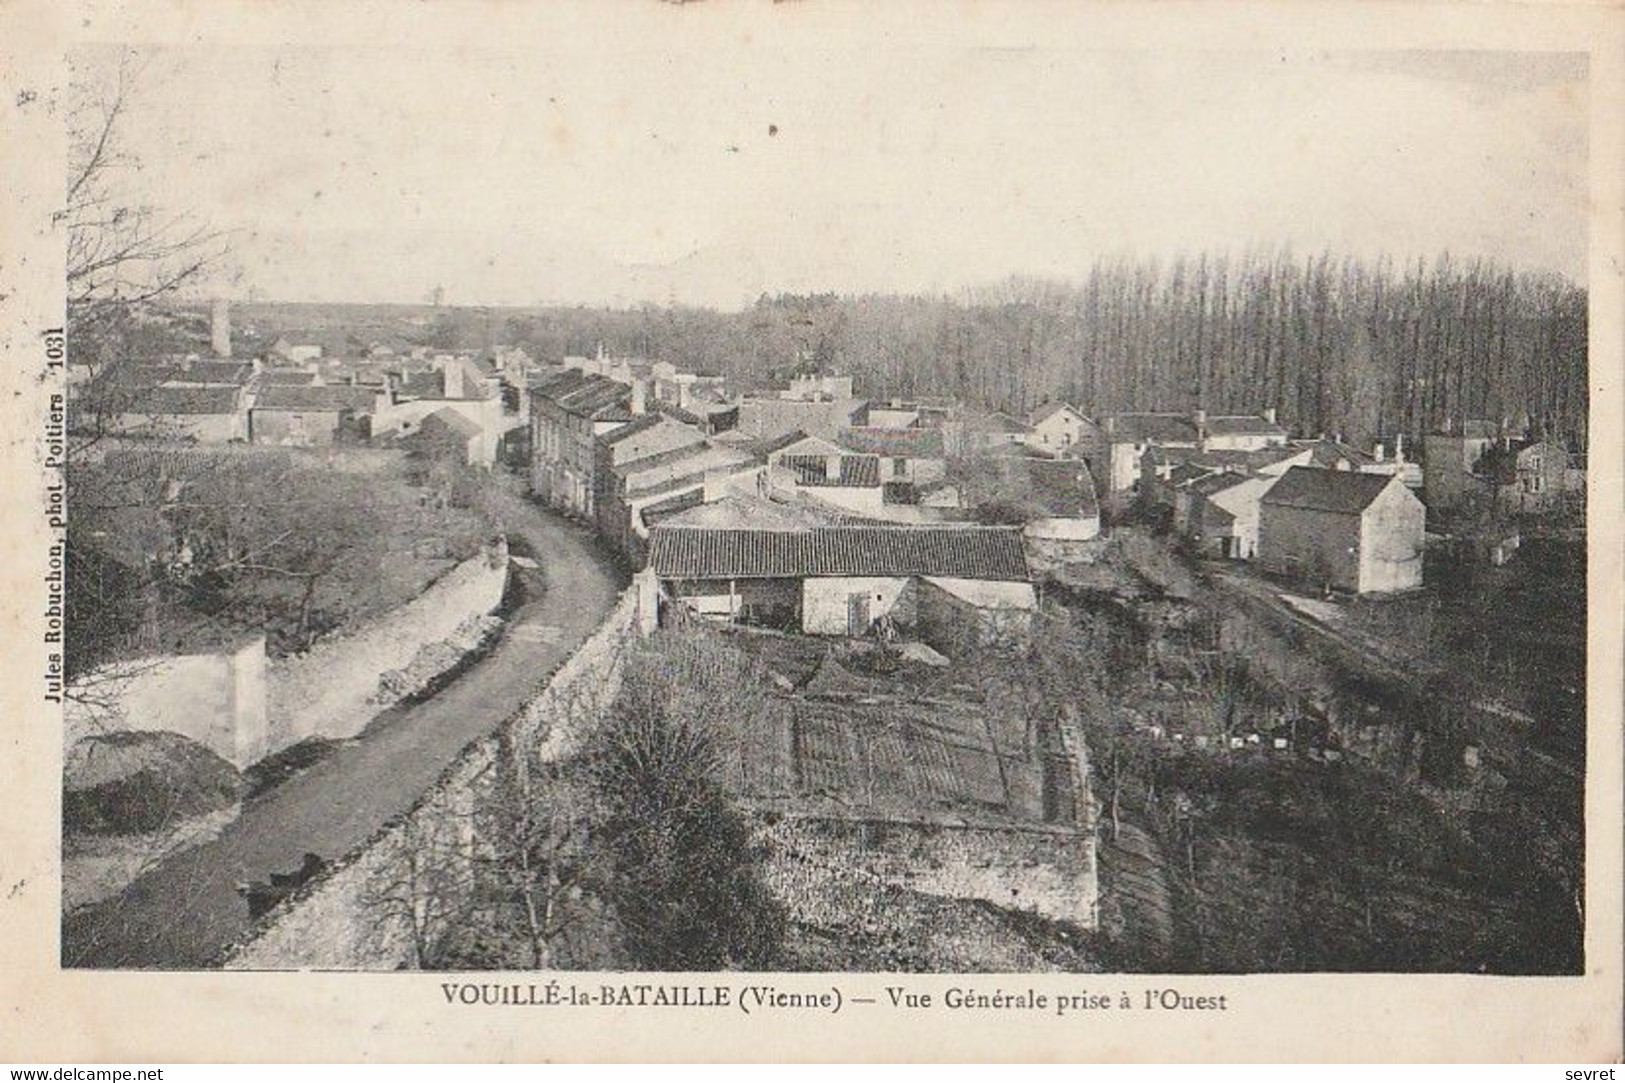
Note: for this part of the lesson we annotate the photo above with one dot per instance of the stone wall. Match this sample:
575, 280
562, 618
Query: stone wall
332, 689
217, 699
364, 912
244, 708
1047, 871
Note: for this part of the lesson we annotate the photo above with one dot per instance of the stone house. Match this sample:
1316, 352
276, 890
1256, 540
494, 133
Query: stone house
1346, 530
909, 458
207, 415
313, 416
1125, 438
1239, 432
683, 476
844, 480
1526, 475
940, 582
1223, 513
1060, 429
569, 410
452, 437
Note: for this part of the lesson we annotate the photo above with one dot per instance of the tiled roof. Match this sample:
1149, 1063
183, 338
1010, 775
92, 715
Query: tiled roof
893, 443
1227, 458
1062, 487
166, 401
1328, 453
856, 472
330, 398
460, 424
739, 511
1049, 410
1213, 484
649, 463
214, 372
1152, 429
597, 398
632, 428
990, 553
1242, 425
422, 385
130, 374
669, 470
779, 443
285, 378
1345, 492
768, 418
552, 380
662, 510
1003, 422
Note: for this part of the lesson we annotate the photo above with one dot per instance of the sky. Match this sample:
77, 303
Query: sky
569, 170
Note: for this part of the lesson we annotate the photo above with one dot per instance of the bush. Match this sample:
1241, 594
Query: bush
137, 783
685, 879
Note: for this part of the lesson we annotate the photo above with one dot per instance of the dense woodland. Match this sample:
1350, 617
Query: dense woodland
1336, 345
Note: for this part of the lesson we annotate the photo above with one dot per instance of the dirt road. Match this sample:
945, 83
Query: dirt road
182, 913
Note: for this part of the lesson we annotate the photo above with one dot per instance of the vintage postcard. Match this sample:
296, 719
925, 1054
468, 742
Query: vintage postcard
753, 531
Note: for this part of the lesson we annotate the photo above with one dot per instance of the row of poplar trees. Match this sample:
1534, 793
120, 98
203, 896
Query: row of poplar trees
1365, 349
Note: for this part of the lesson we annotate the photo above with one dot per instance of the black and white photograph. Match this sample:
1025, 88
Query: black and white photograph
820, 499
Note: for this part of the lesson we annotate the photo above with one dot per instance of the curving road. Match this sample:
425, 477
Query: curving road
182, 913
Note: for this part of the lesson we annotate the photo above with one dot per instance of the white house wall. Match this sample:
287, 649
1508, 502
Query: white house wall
1080, 528
824, 601
1391, 540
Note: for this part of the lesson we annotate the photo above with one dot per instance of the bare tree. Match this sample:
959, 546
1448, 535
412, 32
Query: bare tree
121, 253
423, 890
538, 820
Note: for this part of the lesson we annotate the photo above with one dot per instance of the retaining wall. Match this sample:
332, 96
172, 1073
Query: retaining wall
1046, 871
371, 910
217, 699
244, 708
332, 689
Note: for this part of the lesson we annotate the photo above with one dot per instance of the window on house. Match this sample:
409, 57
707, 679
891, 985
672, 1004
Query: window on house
899, 468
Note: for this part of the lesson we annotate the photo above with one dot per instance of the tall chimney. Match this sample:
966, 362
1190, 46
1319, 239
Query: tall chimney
1269, 415
640, 397
1399, 447
1381, 452
220, 327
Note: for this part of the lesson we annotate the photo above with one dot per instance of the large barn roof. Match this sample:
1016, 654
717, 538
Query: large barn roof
327, 398
989, 553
